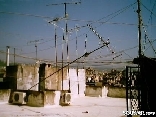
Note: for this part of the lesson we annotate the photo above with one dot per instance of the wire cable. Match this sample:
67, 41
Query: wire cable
84, 55
24, 14
148, 10
150, 18
146, 36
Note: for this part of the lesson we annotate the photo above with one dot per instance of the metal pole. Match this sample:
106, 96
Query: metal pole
127, 96
62, 58
77, 64
14, 56
139, 28
65, 9
56, 54
85, 51
65, 13
7, 56
86, 55
36, 51
35, 41
140, 54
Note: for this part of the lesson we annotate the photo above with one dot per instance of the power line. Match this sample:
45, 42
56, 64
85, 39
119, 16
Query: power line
24, 14
146, 36
91, 21
8, 33
122, 51
66, 19
27, 57
124, 9
114, 23
120, 11
152, 11
84, 55
88, 21
36, 42
114, 16
148, 9
66, 34
75, 20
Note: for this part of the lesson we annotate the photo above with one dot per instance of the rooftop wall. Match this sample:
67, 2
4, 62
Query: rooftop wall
49, 80
23, 77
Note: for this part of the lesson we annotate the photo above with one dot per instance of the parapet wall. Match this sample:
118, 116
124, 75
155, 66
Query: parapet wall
117, 92
96, 91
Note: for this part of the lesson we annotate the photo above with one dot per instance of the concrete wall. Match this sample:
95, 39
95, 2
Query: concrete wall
4, 95
110, 91
44, 93
118, 92
27, 76
22, 77
52, 82
96, 91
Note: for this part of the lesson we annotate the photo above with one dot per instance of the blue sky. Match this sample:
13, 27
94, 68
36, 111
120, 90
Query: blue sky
24, 21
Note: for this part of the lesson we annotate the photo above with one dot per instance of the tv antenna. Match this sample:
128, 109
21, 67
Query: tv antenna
102, 40
36, 42
66, 30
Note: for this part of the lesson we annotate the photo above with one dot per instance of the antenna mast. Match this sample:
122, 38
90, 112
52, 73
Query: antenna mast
66, 35
139, 28
35, 41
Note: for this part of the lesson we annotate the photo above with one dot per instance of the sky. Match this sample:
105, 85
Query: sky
24, 24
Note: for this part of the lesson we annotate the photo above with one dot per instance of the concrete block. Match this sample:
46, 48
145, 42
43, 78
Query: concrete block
4, 95
35, 99
43, 98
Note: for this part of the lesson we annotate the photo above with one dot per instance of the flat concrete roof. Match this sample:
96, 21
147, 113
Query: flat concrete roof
80, 107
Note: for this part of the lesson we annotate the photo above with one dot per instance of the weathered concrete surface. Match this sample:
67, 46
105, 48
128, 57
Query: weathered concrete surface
51, 98
52, 82
36, 99
117, 92
96, 91
23, 77
27, 76
96, 107
43, 98
4, 95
